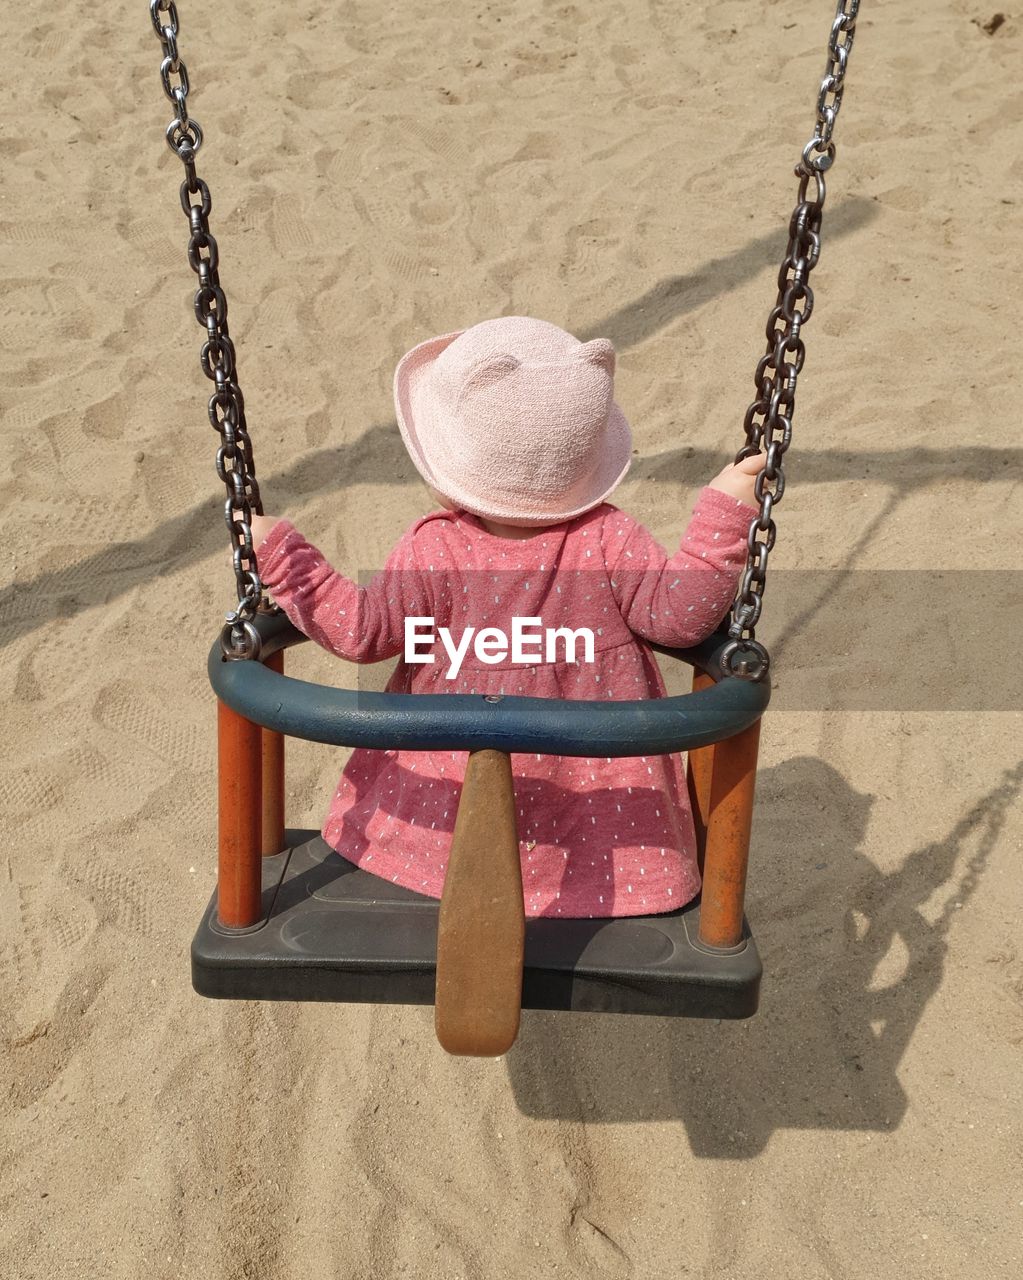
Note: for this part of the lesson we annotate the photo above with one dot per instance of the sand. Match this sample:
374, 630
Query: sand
382, 173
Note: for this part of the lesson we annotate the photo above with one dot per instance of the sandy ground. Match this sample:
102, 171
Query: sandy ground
382, 173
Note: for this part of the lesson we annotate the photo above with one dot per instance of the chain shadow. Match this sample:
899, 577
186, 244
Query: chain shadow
674, 296
906, 472
376, 457
824, 1050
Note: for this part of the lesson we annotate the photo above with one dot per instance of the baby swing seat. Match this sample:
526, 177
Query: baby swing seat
319, 928
330, 931
291, 920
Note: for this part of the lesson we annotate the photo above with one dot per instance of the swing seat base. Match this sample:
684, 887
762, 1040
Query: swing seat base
332, 932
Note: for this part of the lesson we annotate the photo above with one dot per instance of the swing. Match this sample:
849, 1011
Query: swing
292, 920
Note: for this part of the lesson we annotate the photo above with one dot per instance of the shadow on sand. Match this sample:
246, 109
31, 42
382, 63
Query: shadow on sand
824, 1050
378, 457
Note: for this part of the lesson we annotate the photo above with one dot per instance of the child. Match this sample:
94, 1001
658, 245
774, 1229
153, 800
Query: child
513, 427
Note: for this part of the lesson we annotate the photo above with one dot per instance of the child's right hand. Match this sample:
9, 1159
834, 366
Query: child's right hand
738, 478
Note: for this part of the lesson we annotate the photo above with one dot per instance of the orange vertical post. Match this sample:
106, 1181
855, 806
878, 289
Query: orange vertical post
273, 777
729, 822
240, 766
700, 767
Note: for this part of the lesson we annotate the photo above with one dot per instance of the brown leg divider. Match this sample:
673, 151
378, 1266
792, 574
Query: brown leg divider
273, 777
240, 767
729, 820
482, 926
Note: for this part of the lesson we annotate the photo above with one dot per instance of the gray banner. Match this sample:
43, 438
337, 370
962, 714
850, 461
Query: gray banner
864, 640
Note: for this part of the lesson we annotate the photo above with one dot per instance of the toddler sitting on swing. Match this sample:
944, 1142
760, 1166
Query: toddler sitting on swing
513, 426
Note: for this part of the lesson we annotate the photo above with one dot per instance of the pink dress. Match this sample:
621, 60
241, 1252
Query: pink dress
599, 837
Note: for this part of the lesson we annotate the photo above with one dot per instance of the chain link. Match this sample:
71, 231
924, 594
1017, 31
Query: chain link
768, 421
226, 408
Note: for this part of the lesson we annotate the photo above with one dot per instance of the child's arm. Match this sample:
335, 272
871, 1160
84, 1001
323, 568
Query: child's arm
679, 600
361, 624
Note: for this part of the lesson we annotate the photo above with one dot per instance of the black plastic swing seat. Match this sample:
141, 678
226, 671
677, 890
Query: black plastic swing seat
332, 932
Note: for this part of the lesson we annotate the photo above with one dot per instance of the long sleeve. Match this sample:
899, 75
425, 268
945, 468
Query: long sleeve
358, 623
679, 600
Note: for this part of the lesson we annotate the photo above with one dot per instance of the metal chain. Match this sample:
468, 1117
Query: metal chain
226, 408
768, 422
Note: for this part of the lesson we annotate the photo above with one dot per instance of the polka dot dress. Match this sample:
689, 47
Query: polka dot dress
598, 836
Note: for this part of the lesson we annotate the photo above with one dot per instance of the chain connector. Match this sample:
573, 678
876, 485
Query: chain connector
239, 640
820, 163
745, 659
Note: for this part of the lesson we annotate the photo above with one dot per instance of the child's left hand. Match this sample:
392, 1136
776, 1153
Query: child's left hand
261, 526
738, 478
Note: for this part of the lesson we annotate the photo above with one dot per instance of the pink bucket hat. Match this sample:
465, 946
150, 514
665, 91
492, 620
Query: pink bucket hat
514, 420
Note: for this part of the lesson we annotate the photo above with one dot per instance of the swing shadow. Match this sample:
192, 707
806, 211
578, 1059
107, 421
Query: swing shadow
376, 457
824, 1050
674, 296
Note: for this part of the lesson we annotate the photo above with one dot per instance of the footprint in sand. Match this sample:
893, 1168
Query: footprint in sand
39, 1056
